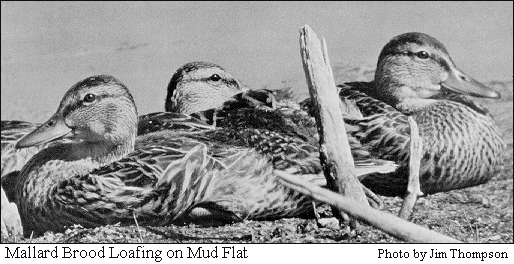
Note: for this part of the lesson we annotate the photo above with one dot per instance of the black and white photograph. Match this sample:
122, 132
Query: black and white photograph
240, 123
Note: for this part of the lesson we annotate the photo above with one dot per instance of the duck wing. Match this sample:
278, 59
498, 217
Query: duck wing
164, 183
155, 184
383, 130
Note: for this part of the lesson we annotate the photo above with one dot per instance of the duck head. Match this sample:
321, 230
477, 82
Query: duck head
98, 112
200, 86
414, 67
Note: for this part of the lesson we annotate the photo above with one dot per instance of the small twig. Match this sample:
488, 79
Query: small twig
384, 221
314, 209
373, 200
138, 229
476, 232
471, 227
77, 232
413, 188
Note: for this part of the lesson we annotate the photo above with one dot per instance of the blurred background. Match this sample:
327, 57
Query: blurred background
48, 46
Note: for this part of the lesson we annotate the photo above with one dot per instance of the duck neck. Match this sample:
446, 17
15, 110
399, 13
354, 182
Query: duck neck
414, 105
55, 164
385, 88
38, 190
101, 153
404, 98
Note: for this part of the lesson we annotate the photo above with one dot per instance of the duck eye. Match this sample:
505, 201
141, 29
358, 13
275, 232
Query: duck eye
422, 55
215, 77
89, 98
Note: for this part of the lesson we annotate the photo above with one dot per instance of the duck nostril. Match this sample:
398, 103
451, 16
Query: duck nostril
463, 78
50, 123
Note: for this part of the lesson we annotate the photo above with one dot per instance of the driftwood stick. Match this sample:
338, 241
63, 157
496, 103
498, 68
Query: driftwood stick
413, 188
335, 156
384, 221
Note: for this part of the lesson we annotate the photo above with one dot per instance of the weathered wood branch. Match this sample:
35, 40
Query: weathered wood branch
335, 155
384, 221
413, 188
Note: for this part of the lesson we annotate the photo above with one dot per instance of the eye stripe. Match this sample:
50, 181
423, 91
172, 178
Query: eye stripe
408, 53
225, 81
441, 61
80, 103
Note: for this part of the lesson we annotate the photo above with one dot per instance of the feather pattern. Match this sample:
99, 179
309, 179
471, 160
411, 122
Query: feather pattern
462, 146
110, 176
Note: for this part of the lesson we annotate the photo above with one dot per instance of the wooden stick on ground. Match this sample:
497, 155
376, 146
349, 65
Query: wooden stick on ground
384, 221
335, 156
413, 189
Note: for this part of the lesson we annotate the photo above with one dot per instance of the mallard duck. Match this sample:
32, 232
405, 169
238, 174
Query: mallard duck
14, 159
208, 78
104, 175
416, 77
199, 87
288, 135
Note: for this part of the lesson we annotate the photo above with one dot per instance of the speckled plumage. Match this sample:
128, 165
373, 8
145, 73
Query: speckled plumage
109, 176
415, 76
159, 184
287, 135
462, 146
11, 131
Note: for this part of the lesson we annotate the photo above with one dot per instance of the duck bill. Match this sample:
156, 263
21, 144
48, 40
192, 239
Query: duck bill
461, 83
53, 129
